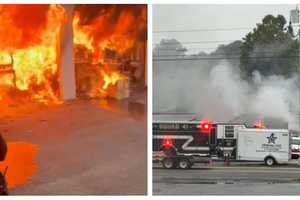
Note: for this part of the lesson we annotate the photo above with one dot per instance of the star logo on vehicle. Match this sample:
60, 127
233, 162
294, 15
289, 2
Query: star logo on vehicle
271, 138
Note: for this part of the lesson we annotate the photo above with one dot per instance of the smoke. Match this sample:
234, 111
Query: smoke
274, 96
217, 91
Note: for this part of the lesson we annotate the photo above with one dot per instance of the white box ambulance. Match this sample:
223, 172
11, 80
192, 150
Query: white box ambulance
269, 145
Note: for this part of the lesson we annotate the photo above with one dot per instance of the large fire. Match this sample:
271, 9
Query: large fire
107, 38
104, 36
30, 36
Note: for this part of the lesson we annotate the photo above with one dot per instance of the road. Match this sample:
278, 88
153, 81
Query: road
232, 180
84, 147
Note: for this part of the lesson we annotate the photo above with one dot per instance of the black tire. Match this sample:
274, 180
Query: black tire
184, 163
168, 163
295, 156
270, 161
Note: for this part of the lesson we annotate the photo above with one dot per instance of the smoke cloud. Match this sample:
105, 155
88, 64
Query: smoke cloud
215, 90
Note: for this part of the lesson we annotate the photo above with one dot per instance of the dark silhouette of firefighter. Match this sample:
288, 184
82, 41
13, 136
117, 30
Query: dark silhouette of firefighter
3, 148
290, 29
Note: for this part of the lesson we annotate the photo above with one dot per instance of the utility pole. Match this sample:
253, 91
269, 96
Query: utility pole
295, 109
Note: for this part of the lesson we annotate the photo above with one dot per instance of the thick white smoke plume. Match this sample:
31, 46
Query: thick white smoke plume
219, 92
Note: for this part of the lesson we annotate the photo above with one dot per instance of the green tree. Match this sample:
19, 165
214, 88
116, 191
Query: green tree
270, 49
229, 51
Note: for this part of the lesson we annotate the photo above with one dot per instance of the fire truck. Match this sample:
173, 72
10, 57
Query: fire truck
180, 144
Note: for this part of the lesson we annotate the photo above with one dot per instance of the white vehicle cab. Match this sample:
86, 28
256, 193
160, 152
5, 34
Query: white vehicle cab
295, 147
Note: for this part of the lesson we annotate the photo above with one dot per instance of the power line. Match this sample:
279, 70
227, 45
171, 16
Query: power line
183, 49
162, 56
195, 55
212, 41
221, 58
201, 42
201, 30
224, 54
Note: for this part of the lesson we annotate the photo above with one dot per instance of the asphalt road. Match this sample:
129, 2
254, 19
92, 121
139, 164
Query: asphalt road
83, 148
232, 180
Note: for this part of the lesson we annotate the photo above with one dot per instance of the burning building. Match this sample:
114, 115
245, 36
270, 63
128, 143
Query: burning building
29, 53
110, 49
50, 53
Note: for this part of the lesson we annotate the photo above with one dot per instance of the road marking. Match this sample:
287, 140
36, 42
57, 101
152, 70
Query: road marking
266, 168
260, 171
237, 170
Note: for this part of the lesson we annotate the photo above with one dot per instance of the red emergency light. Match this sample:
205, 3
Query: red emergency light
259, 124
167, 142
206, 126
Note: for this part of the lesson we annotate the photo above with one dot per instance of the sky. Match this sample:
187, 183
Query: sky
242, 18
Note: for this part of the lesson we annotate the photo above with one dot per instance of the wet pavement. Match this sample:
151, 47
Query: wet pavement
84, 147
245, 179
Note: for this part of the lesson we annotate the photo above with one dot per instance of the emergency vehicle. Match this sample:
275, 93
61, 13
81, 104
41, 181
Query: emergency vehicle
183, 143
269, 145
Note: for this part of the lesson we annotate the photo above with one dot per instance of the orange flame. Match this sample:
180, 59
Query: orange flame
80, 36
111, 78
108, 29
28, 50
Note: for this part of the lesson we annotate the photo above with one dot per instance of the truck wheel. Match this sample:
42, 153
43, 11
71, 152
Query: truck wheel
269, 161
184, 164
168, 163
